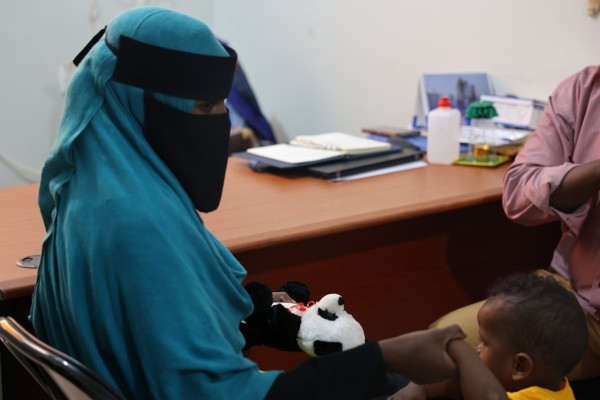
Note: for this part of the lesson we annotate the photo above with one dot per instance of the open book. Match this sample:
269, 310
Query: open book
342, 142
321, 147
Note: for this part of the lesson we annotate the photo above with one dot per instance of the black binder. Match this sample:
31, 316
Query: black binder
344, 168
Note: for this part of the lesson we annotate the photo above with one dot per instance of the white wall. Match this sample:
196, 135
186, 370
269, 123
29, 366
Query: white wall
36, 37
344, 64
316, 65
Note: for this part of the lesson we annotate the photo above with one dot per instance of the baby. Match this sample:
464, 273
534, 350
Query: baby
532, 333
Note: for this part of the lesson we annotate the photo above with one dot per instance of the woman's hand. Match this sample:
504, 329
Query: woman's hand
421, 355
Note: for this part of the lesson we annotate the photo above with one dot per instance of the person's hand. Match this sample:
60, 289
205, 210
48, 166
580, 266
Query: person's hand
412, 391
282, 297
578, 186
421, 355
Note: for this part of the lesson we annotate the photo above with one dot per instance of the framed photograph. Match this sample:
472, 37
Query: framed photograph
461, 89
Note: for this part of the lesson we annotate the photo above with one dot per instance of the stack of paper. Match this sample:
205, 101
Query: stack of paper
516, 112
332, 155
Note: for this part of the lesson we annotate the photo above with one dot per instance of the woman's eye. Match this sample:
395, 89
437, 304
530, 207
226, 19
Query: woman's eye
206, 106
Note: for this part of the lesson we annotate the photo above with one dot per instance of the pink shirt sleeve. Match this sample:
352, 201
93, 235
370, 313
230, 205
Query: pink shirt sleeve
549, 154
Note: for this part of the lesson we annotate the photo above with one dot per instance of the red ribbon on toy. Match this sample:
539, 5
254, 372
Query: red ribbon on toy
301, 307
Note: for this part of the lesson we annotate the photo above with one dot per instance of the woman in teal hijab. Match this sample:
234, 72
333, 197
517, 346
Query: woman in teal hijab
131, 283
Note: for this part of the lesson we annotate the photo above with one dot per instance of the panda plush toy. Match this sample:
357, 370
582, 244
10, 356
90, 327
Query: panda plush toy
326, 327
317, 328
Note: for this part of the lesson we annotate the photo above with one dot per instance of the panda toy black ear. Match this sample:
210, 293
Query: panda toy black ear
321, 348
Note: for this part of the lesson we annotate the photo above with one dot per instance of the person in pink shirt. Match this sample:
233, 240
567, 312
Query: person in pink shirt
556, 177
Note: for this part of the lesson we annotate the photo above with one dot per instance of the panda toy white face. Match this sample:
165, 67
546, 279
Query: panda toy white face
327, 328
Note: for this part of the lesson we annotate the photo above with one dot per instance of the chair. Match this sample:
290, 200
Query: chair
61, 376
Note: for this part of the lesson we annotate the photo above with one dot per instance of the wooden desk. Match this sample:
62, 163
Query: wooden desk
402, 248
21, 234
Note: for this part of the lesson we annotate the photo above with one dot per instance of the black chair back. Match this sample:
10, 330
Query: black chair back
61, 376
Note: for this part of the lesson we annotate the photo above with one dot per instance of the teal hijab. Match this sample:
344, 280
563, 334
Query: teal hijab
131, 282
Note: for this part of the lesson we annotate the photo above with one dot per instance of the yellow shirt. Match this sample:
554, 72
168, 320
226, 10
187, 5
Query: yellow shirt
538, 393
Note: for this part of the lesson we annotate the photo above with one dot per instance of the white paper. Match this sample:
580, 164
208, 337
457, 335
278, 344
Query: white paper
382, 171
495, 136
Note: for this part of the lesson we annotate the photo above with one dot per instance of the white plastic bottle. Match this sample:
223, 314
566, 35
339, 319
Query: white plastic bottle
443, 133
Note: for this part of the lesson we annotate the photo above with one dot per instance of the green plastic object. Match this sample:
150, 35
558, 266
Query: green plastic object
482, 110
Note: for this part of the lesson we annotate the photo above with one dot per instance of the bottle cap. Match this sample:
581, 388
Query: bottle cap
444, 102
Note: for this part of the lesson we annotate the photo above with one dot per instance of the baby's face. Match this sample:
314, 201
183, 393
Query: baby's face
494, 348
